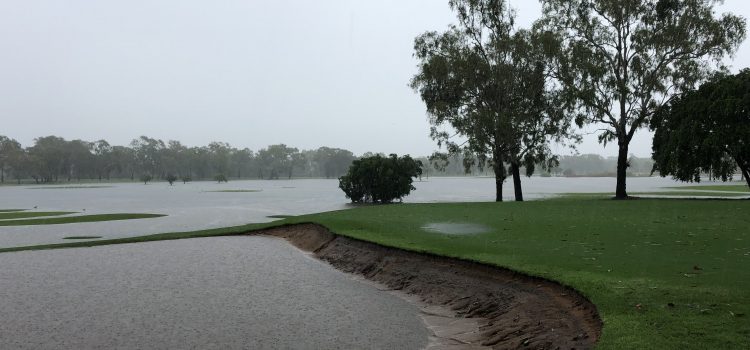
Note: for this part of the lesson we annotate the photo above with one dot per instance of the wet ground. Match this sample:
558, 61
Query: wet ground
197, 205
213, 293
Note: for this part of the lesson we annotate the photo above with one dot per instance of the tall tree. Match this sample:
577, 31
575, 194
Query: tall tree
626, 58
9, 151
707, 130
486, 81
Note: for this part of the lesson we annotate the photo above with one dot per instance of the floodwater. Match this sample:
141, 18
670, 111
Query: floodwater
451, 228
196, 206
204, 293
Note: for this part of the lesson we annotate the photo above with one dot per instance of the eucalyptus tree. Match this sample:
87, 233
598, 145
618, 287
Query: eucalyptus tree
9, 153
485, 82
705, 131
623, 59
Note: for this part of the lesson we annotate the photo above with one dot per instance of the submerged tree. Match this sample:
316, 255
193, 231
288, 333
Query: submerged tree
486, 82
707, 130
379, 179
626, 58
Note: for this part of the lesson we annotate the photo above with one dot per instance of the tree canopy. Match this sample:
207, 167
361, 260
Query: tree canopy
379, 179
705, 131
486, 82
623, 59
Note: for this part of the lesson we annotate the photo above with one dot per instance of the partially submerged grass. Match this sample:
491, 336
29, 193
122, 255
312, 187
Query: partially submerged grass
77, 219
11, 210
733, 188
224, 231
31, 214
235, 191
66, 187
690, 194
82, 237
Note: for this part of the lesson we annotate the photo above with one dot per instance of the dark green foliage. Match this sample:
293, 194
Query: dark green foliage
621, 60
379, 179
705, 131
487, 82
220, 178
146, 178
186, 179
171, 178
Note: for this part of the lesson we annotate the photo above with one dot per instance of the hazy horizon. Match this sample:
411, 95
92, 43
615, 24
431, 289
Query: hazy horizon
250, 74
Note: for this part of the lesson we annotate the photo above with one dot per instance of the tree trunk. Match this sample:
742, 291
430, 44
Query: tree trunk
622, 167
746, 174
2, 173
515, 169
499, 169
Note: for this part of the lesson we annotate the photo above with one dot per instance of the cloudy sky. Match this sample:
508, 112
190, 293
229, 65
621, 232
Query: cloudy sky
251, 73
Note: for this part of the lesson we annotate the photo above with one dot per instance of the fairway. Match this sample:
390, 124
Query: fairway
665, 274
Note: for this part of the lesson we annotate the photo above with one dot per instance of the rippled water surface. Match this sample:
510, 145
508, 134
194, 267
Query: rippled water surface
204, 293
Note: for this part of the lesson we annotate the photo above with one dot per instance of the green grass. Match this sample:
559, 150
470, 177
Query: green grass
82, 237
692, 254
77, 219
65, 187
734, 188
31, 214
10, 210
235, 191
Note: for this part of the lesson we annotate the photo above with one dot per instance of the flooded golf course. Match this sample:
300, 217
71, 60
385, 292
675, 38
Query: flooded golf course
247, 291
203, 205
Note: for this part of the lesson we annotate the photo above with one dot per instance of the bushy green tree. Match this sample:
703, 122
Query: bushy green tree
487, 82
171, 178
379, 179
705, 131
623, 59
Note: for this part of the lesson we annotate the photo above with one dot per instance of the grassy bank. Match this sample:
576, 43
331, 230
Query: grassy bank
77, 219
665, 274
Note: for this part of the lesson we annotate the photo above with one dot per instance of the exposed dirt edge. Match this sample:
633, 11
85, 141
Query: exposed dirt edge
515, 310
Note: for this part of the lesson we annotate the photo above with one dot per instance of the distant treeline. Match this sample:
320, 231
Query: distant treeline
54, 159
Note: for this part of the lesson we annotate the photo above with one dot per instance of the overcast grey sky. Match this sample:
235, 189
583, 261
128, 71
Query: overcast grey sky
251, 73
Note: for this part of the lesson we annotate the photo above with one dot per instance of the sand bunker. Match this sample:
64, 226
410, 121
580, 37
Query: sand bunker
510, 310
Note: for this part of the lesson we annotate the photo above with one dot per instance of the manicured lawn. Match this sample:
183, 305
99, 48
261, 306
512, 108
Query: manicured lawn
77, 219
31, 214
735, 188
665, 274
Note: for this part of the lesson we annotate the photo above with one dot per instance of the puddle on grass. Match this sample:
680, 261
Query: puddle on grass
450, 228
